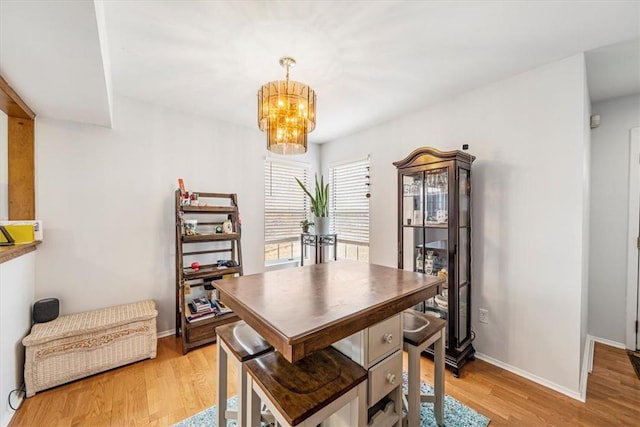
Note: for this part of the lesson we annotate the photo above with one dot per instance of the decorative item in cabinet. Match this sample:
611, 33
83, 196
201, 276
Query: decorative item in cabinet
208, 247
434, 237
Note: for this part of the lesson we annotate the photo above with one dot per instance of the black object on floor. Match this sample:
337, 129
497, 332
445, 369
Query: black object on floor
635, 361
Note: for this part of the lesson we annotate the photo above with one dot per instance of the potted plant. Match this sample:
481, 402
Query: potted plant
305, 225
319, 204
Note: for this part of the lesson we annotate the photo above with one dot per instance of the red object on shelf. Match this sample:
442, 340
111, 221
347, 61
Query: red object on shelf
195, 266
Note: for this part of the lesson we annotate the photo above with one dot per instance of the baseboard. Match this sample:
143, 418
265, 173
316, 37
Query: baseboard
531, 377
6, 419
609, 342
166, 333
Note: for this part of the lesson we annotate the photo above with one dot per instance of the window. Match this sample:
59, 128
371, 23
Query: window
285, 205
349, 209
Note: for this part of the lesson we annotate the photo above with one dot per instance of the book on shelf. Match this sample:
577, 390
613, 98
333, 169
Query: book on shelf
221, 307
201, 304
193, 313
201, 317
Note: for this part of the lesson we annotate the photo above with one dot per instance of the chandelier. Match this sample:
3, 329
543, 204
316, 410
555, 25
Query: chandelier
287, 112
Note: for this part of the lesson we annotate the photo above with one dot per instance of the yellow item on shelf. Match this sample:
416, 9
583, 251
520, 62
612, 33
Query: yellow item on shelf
20, 233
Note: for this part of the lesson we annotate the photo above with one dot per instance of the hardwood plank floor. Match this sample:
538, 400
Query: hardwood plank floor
172, 387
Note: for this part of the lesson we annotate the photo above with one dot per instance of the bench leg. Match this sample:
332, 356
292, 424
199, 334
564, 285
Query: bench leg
222, 383
439, 349
242, 395
254, 403
413, 401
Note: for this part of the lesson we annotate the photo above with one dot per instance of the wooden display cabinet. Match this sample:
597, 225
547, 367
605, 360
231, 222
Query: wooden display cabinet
434, 237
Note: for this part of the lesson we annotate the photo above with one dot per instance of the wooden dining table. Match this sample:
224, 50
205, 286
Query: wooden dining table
305, 309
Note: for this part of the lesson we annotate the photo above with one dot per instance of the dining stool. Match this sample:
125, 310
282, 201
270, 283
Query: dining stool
239, 341
309, 391
419, 331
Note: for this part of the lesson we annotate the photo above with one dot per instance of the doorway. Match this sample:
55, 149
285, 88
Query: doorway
633, 285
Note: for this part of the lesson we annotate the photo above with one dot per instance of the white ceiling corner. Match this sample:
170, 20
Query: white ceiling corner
51, 54
614, 70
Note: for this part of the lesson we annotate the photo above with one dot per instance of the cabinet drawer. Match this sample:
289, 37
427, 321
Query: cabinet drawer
384, 338
199, 333
384, 377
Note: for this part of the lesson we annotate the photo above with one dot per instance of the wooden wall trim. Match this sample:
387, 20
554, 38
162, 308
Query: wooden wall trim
20, 153
12, 104
21, 169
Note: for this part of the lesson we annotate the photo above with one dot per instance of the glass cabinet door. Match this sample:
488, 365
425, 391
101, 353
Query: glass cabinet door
412, 217
425, 222
434, 246
464, 249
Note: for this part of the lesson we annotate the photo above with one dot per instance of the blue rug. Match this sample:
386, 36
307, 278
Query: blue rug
455, 413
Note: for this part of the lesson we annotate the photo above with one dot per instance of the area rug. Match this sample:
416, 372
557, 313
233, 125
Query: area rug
635, 361
455, 413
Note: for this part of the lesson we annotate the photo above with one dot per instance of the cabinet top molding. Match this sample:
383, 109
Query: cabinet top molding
425, 155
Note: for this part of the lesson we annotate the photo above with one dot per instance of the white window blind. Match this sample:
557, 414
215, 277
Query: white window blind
285, 204
349, 201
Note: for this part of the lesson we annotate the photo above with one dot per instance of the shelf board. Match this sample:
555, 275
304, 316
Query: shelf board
210, 237
210, 272
209, 209
226, 318
427, 225
437, 244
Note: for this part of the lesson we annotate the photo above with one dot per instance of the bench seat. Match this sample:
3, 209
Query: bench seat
77, 345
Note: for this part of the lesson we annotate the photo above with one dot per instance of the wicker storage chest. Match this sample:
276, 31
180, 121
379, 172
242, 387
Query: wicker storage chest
82, 344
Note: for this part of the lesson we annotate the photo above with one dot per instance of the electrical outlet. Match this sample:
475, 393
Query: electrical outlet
484, 316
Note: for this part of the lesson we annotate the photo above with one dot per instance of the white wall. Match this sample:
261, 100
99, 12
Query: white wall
106, 198
528, 135
586, 197
17, 282
609, 212
4, 172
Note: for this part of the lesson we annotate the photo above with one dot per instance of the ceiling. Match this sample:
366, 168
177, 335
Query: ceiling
614, 70
368, 61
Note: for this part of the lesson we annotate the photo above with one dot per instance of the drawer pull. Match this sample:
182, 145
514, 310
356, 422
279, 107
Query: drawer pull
391, 378
387, 338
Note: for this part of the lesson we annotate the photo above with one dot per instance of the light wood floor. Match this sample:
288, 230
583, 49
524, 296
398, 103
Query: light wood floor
172, 387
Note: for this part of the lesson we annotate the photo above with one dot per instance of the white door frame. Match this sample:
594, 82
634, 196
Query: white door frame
633, 297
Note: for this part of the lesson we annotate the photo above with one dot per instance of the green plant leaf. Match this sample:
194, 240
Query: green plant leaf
319, 203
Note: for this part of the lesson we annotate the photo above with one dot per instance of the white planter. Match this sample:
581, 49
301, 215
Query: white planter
321, 225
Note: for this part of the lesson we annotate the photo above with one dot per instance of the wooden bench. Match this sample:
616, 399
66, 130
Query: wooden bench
78, 345
307, 392
419, 332
237, 342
